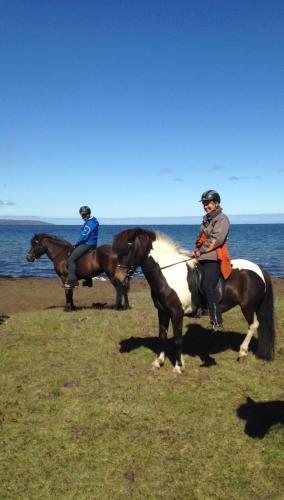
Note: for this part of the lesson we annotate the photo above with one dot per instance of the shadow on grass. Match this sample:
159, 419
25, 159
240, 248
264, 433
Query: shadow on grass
3, 318
260, 417
197, 341
95, 305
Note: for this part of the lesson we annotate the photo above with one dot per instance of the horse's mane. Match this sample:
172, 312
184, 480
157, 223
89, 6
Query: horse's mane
59, 241
172, 245
121, 240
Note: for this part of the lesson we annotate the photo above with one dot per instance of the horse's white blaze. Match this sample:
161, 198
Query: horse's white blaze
165, 253
247, 264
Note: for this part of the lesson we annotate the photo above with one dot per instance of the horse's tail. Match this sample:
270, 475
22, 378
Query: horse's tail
266, 329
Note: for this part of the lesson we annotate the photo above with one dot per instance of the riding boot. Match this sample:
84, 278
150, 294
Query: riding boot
216, 322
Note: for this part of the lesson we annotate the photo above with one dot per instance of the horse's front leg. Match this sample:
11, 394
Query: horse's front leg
69, 306
177, 321
164, 320
118, 299
125, 295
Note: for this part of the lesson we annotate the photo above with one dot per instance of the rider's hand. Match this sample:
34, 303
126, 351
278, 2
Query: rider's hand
195, 254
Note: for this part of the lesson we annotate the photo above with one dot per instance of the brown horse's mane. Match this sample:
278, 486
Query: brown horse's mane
121, 240
58, 241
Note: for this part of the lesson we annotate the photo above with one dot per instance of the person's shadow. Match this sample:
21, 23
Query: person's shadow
260, 417
197, 341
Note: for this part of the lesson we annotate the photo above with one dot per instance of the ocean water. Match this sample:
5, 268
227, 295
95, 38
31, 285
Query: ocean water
260, 243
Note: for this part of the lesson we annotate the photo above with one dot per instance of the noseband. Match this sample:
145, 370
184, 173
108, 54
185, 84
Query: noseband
130, 269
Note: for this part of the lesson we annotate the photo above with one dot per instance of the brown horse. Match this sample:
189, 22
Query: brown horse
95, 262
174, 278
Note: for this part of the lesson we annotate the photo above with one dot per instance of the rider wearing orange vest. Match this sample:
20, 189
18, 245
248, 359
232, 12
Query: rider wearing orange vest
212, 253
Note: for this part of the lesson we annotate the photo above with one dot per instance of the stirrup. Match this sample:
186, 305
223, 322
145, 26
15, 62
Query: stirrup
70, 286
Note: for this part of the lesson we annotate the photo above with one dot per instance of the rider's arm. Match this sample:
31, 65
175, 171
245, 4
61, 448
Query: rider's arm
86, 230
217, 236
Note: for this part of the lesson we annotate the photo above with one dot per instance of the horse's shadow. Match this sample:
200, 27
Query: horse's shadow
260, 417
95, 305
3, 318
197, 341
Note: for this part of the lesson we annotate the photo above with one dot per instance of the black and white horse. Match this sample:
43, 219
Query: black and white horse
174, 279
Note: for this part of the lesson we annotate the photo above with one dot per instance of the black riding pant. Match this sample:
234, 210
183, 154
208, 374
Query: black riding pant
211, 276
75, 255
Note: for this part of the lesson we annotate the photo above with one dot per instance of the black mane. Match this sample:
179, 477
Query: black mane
121, 241
41, 236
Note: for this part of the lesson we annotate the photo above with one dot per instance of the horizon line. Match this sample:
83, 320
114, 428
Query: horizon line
148, 220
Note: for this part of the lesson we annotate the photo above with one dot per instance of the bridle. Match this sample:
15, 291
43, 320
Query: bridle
35, 257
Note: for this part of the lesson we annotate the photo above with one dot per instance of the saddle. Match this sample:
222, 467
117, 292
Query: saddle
198, 295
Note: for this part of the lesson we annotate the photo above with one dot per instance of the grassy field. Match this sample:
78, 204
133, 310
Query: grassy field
83, 415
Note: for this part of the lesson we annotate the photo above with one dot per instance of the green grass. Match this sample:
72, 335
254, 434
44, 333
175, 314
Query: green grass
82, 420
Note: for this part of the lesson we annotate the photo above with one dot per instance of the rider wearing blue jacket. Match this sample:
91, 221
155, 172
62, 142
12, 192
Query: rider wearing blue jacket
88, 240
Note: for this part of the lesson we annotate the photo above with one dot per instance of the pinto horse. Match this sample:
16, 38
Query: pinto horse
174, 278
95, 262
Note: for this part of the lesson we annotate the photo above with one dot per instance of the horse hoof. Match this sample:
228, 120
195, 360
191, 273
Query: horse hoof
242, 359
156, 364
178, 369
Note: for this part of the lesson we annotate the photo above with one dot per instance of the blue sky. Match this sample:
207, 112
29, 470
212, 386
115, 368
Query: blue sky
137, 107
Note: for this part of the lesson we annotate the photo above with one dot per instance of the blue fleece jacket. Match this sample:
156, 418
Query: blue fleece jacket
89, 233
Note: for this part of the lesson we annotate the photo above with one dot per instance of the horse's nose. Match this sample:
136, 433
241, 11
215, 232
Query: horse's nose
30, 258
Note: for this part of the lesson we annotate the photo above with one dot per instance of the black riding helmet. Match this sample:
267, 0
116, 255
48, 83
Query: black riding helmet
85, 210
210, 195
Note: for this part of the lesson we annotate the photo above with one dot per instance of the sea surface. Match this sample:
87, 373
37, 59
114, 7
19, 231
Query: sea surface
260, 243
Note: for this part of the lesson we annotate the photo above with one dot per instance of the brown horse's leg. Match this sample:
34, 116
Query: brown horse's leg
118, 299
164, 320
125, 295
69, 301
121, 292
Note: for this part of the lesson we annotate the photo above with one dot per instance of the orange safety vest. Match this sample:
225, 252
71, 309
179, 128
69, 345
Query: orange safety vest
223, 256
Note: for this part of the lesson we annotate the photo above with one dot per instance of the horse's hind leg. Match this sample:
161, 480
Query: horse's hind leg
164, 320
253, 326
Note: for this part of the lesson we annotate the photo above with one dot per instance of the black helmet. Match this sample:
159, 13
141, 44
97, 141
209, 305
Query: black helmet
210, 195
84, 210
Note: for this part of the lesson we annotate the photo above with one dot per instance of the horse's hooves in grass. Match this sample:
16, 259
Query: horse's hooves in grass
156, 364
178, 370
122, 308
69, 308
242, 359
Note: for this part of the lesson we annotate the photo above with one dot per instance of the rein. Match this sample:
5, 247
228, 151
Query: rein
131, 268
169, 265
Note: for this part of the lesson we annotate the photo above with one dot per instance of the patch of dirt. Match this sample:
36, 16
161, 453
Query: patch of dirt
34, 294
